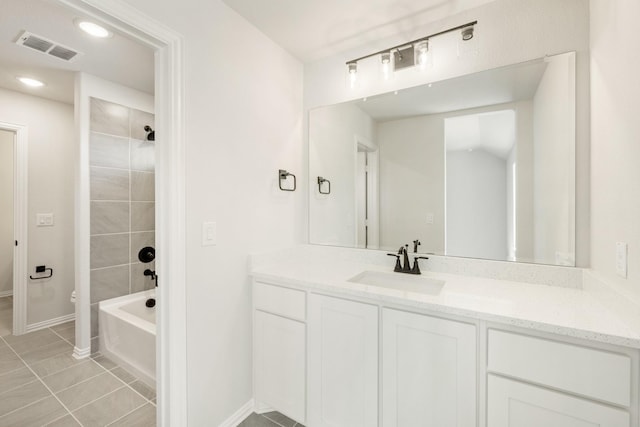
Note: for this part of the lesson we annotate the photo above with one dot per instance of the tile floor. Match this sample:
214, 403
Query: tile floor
6, 315
42, 384
269, 419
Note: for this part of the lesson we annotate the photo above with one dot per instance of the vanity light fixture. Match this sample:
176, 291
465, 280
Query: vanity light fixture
27, 81
93, 29
415, 52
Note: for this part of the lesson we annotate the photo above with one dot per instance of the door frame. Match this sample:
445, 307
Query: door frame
171, 374
20, 224
373, 183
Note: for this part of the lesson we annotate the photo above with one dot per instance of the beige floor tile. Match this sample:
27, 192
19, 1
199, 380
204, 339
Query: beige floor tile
43, 353
34, 415
105, 362
28, 342
141, 417
22, 396
109, 408
65, 325
68, 334
88, 391
123, 375
146, 391
9, 361
42, 333
16, 378
66, 421
72, 376
56, 364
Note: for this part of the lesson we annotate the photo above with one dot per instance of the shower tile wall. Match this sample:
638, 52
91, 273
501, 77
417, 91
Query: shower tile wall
122, 202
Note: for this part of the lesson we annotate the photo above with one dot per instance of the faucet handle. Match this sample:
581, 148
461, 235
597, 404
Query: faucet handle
398, 267
416, 266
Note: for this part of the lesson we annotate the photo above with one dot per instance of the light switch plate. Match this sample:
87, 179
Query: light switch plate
621, 259
209, 233
44, 220
430, 218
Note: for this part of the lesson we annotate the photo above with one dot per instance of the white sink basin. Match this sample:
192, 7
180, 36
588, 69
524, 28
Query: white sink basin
399, 281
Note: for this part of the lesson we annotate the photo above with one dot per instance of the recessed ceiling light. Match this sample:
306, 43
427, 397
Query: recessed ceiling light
30, 82
93, 29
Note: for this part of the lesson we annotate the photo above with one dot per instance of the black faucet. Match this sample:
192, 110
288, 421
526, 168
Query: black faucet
406, 268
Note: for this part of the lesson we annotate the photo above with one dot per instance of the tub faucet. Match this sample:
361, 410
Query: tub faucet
151, 273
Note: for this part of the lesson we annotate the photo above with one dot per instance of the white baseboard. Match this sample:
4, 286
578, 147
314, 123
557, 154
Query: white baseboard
261, 408
6, 293
81, 353
239, 415
49, 323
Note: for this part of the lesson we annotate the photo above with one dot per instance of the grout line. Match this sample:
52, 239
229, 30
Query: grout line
129, 384
63, 338
45, 386
130, 412
273, 421
96, 399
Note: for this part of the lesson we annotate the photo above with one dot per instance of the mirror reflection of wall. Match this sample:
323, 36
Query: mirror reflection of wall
479, 166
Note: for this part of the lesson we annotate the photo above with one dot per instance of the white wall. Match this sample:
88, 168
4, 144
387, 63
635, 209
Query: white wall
6, 212
554, 175
332, 145
508, 31
51, 164
243, 103
476, 205
615, 198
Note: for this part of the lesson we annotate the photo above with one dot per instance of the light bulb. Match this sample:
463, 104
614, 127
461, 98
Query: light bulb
423, 53
386, 64
93, 29
30, 82
353, 73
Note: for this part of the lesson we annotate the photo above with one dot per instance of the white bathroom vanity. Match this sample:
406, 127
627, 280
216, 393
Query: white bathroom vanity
341, 340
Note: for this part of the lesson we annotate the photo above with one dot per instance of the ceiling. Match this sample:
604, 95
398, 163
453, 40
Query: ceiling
117, 59
314, 29
497, 86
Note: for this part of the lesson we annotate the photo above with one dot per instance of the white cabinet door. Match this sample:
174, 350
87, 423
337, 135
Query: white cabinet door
280, 364
342, 363
515, 404
428, 371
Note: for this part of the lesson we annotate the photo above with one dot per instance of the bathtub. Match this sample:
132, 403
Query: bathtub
128, 334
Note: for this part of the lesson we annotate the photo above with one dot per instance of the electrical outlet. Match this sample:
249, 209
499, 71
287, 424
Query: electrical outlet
430, 218
621, 259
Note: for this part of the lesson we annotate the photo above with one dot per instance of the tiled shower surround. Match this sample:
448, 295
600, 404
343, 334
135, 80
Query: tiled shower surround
122, 203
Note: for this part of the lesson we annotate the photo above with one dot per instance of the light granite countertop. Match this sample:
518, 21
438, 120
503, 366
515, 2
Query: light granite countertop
568, 311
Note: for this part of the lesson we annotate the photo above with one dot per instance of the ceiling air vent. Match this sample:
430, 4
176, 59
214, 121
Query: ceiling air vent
46, 46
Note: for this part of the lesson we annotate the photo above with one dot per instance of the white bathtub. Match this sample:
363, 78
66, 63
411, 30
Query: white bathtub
128, 334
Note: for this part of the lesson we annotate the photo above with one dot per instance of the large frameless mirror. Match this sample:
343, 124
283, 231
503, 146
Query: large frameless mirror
479, 166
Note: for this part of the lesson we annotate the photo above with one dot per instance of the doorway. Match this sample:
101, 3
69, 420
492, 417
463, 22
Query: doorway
7, 244
366, 183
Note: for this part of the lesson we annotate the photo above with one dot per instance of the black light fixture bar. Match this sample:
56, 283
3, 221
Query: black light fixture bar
412, 42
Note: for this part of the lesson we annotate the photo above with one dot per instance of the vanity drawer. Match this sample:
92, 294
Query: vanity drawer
278, 300
585, 371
